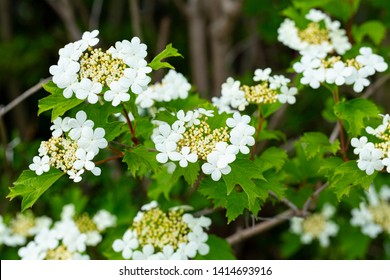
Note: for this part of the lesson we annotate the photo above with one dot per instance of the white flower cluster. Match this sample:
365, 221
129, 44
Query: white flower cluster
316, 226
72, 147
190, 138
270, 89
156, 235
374, 156
69, 237
86, 72
333, 70
320, 37
21, 228
373, 217
173, 86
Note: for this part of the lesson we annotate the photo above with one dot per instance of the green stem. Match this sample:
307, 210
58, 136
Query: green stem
258, 130
343, 141
131, 127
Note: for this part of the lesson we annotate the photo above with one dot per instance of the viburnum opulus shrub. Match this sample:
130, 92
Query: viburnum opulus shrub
184, 159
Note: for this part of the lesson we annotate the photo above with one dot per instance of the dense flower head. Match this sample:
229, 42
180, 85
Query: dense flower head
320, 36
316, 226
191, 138
21, 227
155, 234
69, 237
335, 70
91, 73
270, 89
173, 86
72, 147
374, 156
373, 214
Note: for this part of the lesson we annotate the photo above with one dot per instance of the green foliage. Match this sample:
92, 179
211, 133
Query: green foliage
317, 143
219, 249
347, 176
140, 161
56, 101
354, 113
373, 29
30, 186
169, 51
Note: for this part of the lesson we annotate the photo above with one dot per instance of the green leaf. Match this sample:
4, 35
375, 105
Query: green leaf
56, 101
354, 113
214, 191
219, 249
317, 143
30, 186
190, 173
169, 51
271, 158
348, 175
162, 184
373, 29
236, 204
243, 173
141, 161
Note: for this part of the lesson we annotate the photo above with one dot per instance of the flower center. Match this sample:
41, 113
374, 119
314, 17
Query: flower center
260, 93
202, 140
381, 215
314, 224
160, 229
101, 67
314, 34
59, 253
85, 223
22, 224
62, 152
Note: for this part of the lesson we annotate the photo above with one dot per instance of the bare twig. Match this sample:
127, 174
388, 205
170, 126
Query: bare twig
287, 202
244, 234
95, 14
375, 86
4, 110
135, 18
314, 196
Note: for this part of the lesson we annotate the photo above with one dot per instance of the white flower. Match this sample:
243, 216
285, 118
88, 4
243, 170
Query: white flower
47, 239
84, 160
71, 51
371, 62
197, 243
277, 81
146, 254
262, 75
103, 220
168, 253
78, 124
241, 137
59, 126
166, 149
196, 224
237, 118
362, 217
287, 95
87, 89
370, 159
307, 63
89, 39
338, 73
313, 78
315, 15
218, 161
40, 165
184, 157
359, 79
358, 144
92, 140
32, 252
151, 205
386, 162
75, 176
117, 93
65, 72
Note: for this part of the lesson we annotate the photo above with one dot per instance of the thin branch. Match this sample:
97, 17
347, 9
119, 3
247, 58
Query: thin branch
314, 196
95, 14
131, 127
244, 234
4, 110
135, 18
287, 202
375, 86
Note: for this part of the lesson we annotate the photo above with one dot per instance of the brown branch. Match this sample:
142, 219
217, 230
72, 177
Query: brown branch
131, 127
4, 110
375, 86
95, 14
314, 196
135, 18
287, 202
65, 10
109, 159
244, 234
